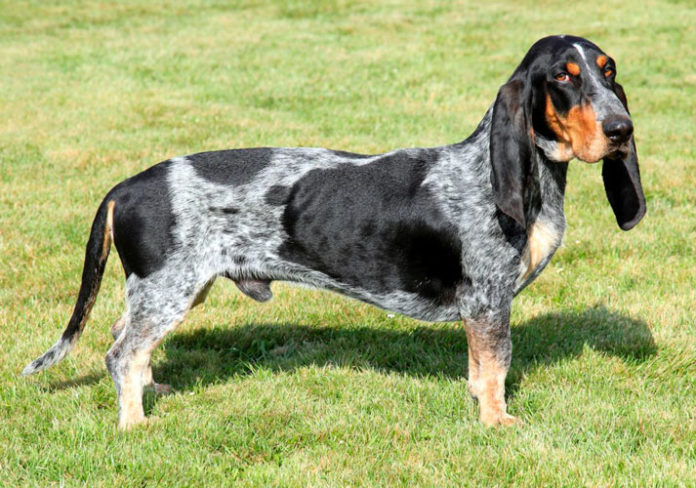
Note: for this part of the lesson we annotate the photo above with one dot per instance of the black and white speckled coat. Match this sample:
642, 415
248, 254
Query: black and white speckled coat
439, 234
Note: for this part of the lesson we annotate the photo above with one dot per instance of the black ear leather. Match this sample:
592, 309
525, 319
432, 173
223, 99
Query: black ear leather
511, 150
622, 185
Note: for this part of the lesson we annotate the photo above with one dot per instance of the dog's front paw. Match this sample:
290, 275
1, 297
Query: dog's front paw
491, 419
126, 423
474, 390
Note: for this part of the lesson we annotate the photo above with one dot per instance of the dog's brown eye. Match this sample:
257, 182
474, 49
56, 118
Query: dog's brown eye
563, 77
608, 72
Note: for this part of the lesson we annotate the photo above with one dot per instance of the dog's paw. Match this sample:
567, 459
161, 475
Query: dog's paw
509, 420
131, 422
499, 418
492, 414
161, 389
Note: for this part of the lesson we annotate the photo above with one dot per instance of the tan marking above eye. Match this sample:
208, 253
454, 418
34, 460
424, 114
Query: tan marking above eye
602, 60
573, 69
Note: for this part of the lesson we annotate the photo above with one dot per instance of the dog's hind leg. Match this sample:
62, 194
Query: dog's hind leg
155, 307
148, 382
120, 323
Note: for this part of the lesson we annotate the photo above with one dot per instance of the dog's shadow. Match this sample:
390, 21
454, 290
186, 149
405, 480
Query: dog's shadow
207, 356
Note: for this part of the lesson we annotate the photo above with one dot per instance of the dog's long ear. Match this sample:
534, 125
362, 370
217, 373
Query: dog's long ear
511, 150
622, 181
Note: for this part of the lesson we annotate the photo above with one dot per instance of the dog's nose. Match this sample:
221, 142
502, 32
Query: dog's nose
618, 129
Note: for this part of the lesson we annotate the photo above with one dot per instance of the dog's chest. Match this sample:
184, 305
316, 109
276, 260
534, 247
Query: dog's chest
543, 239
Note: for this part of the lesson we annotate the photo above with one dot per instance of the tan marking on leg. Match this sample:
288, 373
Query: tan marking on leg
130, 401
487, 382
491, 385
474, 367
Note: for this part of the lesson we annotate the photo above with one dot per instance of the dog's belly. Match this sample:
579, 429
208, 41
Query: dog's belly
260, 271
403, 302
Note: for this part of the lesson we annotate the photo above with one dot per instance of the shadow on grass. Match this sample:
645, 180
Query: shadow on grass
88, 379
210, 356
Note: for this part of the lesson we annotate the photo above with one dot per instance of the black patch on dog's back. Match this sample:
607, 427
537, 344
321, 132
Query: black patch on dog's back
375, 226
143, 220
231, 167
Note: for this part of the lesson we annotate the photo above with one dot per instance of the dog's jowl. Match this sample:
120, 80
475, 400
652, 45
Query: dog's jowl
439, 234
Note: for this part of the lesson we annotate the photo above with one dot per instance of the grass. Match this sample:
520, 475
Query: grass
313, 389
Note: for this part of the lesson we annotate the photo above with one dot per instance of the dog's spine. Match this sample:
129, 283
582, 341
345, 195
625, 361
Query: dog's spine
96, 254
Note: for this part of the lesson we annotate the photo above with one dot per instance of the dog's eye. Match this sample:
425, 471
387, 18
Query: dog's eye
608, 72
563, 77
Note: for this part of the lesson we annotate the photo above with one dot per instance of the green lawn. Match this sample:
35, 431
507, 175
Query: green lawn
312, 389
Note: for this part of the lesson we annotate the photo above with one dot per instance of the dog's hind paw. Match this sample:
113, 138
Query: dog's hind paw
160, 388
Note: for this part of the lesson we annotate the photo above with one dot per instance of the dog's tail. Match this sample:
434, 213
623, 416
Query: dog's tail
96, 254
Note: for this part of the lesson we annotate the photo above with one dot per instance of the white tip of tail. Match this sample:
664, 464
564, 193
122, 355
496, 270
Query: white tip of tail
57, 352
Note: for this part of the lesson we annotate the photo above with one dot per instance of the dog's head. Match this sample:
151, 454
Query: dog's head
563, 100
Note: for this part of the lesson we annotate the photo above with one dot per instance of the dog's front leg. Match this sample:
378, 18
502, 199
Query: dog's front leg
490, 348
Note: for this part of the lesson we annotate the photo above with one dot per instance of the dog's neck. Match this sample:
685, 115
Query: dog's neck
547, 192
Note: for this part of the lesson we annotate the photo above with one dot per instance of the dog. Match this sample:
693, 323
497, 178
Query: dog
439, 234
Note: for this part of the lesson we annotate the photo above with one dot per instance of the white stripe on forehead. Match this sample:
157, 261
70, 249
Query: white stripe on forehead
581, 51
606, 101
592, 79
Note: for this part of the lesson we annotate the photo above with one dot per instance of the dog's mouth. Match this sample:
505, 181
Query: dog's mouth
620, 152
613, 153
